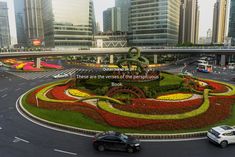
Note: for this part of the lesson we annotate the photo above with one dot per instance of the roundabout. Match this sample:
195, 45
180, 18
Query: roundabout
154, 109
16, 131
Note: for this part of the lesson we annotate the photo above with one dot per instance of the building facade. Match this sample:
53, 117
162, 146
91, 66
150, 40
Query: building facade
154, 22
124, 6
5, 39
68, 23
112, 19
231, 32
110, 40
189, 21
20, 22
219, 21
34, 23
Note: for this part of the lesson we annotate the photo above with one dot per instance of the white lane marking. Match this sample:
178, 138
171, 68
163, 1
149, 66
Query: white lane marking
2, 90
65, 152
4, 96
18, 89
17, 139
0, 128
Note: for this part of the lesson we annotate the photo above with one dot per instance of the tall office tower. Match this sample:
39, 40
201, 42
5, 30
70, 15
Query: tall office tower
154, 22
231, 32
189, 21
68, 23
34, 23
124, 5
20, 22
219, 21
5, 39
112, 19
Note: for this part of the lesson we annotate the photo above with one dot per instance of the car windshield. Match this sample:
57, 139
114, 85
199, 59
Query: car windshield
226, 127
124, 137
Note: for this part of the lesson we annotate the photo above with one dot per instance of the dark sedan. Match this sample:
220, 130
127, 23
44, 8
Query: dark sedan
116, 141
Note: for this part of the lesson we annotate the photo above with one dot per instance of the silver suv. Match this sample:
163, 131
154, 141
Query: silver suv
222, 135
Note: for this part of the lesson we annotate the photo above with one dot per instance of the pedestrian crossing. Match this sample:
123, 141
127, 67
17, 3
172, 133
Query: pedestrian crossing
42, 75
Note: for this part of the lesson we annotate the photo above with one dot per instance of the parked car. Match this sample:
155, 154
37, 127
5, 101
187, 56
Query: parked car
61, 75
222, 135
1, 64
115, 141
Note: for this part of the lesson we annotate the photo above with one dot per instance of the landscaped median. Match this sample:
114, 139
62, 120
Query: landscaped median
84, 111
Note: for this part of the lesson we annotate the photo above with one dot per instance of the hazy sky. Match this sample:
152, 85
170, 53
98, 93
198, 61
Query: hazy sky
206, 13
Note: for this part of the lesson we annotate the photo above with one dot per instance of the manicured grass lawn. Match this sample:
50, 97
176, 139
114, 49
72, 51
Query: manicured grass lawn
170, 80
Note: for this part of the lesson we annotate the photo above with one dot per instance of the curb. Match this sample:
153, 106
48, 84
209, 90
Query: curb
91, 133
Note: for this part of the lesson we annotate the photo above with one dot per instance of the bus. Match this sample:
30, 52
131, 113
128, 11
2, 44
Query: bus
206, 68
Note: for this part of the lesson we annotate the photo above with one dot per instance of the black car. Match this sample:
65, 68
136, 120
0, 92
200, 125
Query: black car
115, 141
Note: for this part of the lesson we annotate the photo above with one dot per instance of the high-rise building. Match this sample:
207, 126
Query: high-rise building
154, 22
34, 23
124, 5
68, 23
20, 22
112, 19
5, 40
189, 21
219, 21
231, 32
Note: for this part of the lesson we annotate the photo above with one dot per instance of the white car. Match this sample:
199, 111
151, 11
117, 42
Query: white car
185, 74
61, 75
1, 64
222, 135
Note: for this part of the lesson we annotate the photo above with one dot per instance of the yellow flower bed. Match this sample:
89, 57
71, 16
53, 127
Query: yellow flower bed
175, 97
77, 93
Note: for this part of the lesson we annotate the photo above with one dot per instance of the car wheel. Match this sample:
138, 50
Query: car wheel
100, 148
130, 150
224, 144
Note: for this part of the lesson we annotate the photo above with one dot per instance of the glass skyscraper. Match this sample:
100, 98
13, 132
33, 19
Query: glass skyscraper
68, 23
33, 15
124, 6
20, 22
154, 22
4, 26
232, 22
112, 19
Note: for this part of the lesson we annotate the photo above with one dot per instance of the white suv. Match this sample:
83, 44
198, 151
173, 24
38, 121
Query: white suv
222, 135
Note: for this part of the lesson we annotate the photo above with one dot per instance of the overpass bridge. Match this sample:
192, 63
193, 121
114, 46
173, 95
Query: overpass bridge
99, 52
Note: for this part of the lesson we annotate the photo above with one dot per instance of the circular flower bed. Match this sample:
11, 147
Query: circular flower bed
141, 113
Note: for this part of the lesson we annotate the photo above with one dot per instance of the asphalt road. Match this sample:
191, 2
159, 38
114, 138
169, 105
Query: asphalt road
21, 138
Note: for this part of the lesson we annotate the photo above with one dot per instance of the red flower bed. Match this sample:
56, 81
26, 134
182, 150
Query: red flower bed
217, 87
58, 92
145, 106
215, 113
